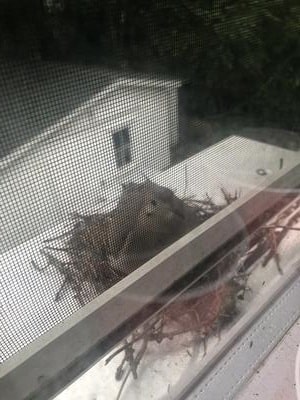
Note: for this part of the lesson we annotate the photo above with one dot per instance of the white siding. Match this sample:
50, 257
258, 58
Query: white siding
73, 170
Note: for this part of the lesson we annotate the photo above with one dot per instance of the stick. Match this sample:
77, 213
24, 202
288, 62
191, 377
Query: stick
60, 290
62, 236
135, 363
291, 228
35, 266
282, 234
122, 385
62, 249
128, 344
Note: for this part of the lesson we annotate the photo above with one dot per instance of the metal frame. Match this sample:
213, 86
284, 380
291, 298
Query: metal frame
52, 361
248, 342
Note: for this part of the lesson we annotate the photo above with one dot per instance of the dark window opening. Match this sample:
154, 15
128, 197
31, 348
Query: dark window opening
121, 141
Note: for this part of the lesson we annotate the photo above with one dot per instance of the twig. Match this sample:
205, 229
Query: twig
127, 357
129, 352
134, 340
122, 385
60, 290
136, 362
273, 251
35, 266
133, 364
61, 249
226, 195
290, 228
62, 236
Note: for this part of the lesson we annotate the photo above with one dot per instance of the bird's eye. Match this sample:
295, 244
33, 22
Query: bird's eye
153, 202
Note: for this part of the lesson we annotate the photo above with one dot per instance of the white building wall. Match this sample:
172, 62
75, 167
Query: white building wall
73, 168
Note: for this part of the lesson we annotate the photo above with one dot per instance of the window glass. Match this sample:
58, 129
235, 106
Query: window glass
122, 147
149, 180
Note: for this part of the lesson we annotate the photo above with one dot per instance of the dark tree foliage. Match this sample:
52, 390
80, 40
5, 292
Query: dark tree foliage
239, 57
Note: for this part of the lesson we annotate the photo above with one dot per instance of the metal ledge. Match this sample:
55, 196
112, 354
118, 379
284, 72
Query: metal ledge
248, 342
51, 362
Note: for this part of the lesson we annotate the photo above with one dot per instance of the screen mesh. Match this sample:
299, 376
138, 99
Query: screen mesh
101, 104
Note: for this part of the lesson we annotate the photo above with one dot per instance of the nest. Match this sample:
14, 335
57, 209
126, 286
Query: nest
101, 249
204, 312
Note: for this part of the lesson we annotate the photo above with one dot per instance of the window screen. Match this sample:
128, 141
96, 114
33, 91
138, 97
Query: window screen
200, 100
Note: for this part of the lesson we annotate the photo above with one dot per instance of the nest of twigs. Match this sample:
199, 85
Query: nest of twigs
101, 249
204, 310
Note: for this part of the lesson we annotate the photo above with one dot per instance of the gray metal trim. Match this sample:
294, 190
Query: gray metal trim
59, 356
249, 342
